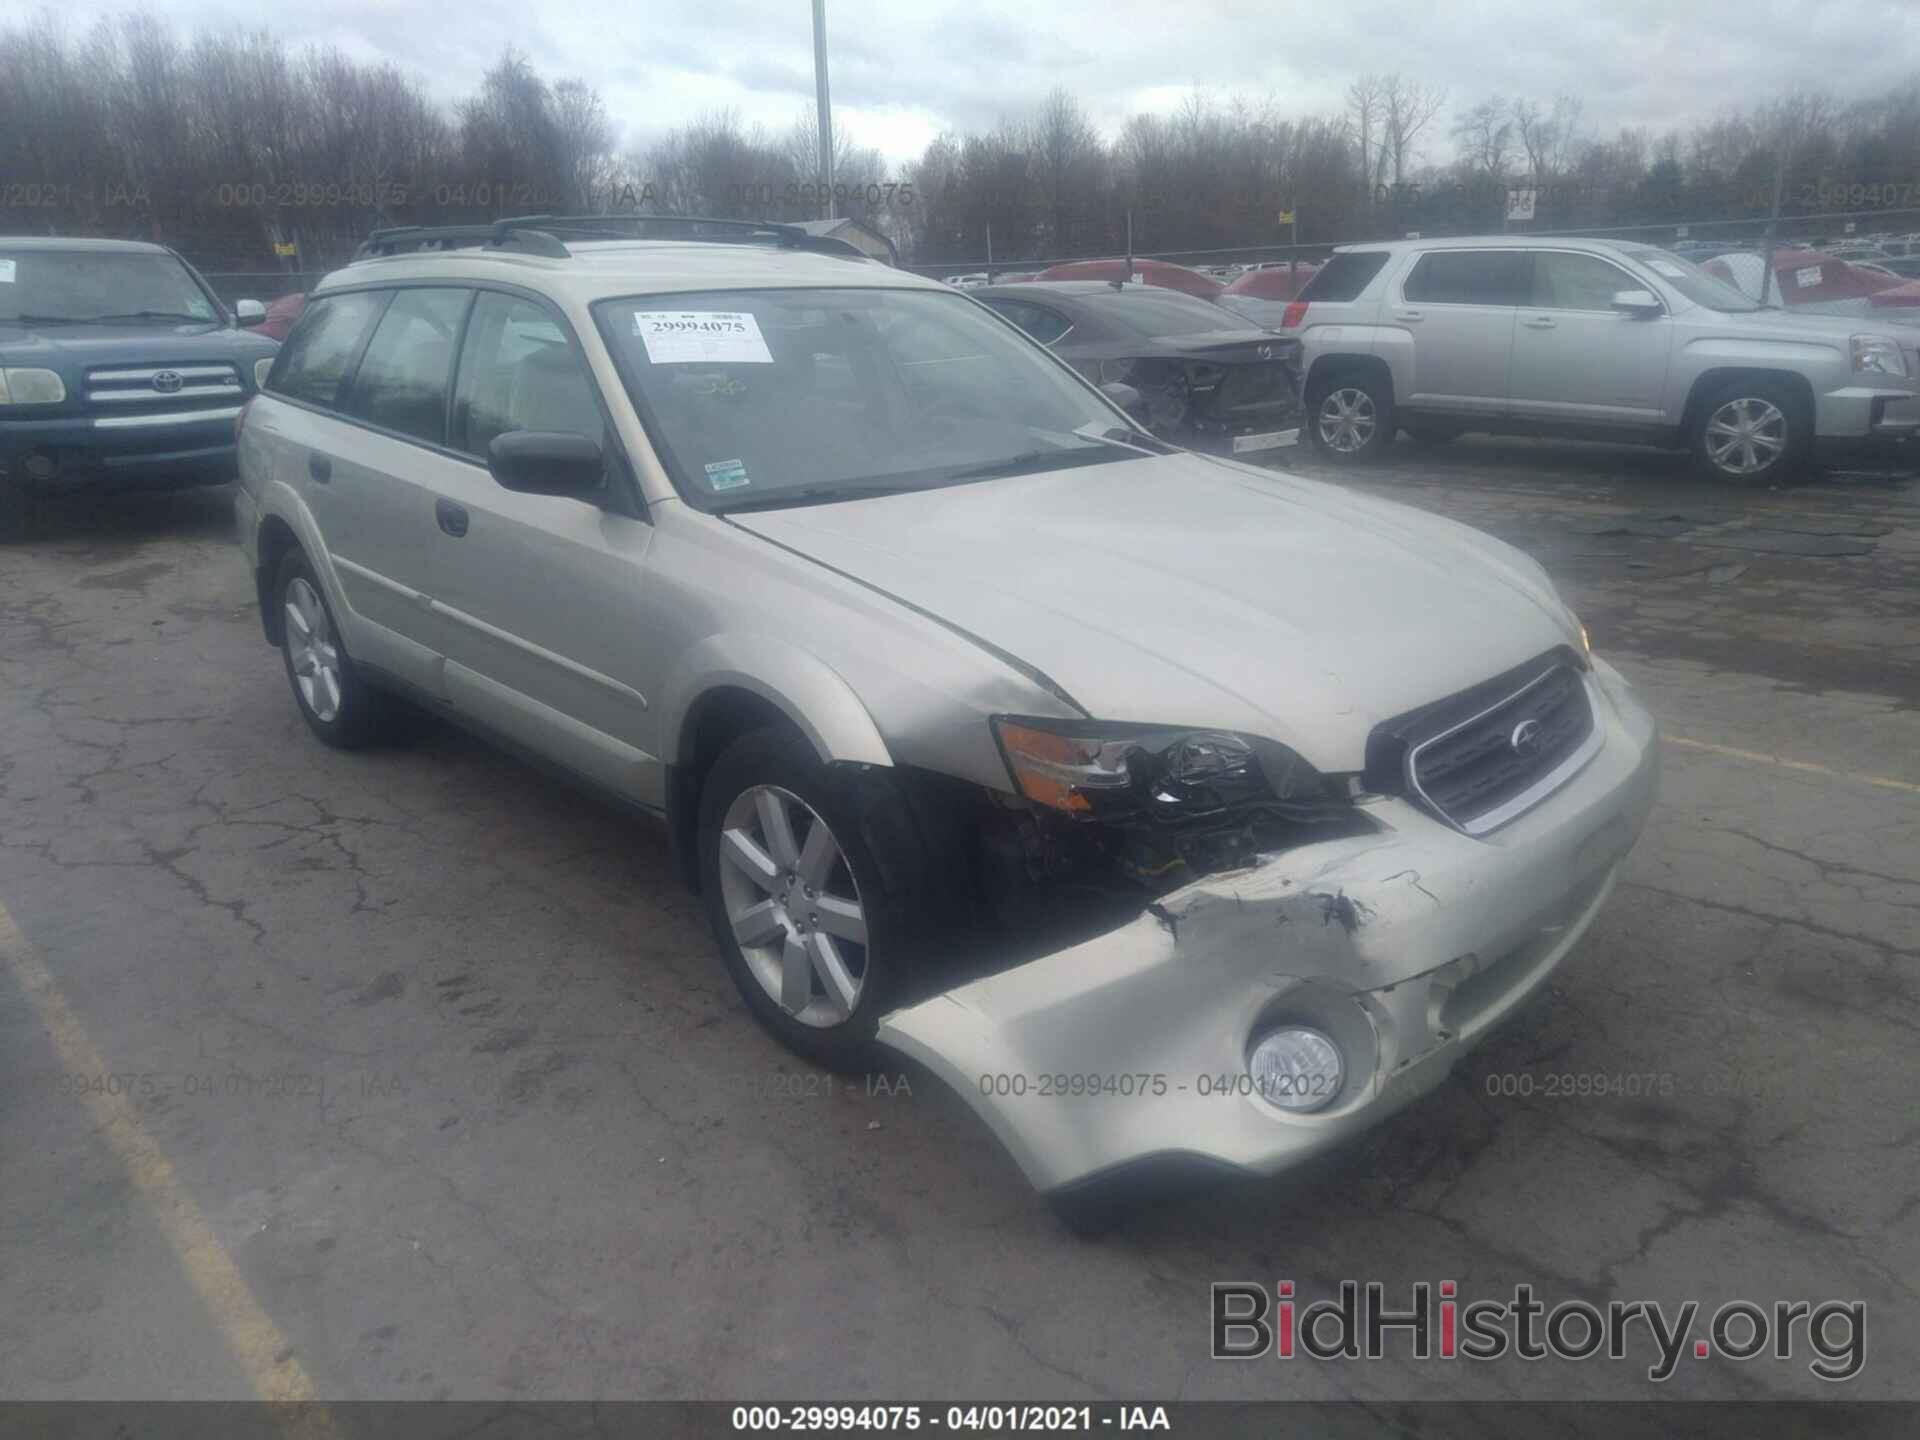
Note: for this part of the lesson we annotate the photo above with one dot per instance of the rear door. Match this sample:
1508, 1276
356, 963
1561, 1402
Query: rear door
359, 486
1460, 307
539, 594
1576, 358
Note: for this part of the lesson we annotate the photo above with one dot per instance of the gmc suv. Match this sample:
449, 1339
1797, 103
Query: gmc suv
118, 367
1598, 338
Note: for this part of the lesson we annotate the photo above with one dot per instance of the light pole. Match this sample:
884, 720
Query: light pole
826, 109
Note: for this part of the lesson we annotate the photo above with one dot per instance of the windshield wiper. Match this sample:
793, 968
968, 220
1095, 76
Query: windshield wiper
1035, 461
1128, 439
149, 315
822, 494
38, 320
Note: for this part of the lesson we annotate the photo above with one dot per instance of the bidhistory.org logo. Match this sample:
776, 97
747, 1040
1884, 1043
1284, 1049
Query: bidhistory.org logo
1436, 1323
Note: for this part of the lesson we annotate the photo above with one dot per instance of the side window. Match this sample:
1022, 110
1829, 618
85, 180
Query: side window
401, 383
1469, 277
1042, 324
1344, 276
1563, 280
517, 373
322, 346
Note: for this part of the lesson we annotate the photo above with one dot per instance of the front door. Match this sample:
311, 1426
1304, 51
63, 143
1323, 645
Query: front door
1577, 358
540, 595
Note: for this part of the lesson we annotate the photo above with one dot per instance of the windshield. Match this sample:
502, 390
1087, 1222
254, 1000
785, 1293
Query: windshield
773, 397
1163, 312
79, 285
1691, 281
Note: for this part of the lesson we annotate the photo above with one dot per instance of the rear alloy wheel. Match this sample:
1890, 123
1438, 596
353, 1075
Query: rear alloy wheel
1750, 434
1350, 418
337, 704
812, 934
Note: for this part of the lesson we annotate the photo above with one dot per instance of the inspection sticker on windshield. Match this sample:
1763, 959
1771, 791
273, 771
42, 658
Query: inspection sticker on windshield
691, 337
6, 272
727, 475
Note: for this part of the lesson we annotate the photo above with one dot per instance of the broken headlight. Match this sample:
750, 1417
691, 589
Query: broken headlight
1110, 770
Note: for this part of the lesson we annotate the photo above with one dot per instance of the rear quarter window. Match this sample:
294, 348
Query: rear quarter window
1345, 276
323, 345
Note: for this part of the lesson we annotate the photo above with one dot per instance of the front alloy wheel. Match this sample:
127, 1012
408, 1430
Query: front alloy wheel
793, 906
814, 879
1746, 436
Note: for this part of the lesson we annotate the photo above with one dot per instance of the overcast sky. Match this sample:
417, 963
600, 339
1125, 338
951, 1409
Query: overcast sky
902, 70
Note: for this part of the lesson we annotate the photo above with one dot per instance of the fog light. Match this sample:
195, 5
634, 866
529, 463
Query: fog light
1296, 1069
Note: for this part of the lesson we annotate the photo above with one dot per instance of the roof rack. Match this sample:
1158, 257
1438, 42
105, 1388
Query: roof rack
540, 234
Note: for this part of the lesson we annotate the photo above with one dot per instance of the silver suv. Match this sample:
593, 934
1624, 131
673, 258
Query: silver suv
1172, 810
1598, 338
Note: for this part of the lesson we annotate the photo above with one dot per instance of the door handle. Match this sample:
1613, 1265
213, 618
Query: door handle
1408, 315
1539, 322
452, 517
320, 468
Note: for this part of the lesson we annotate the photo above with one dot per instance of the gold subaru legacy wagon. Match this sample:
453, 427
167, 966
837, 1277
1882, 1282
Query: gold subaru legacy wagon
1180, 814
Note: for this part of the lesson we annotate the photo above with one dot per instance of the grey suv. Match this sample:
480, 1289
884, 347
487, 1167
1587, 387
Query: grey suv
1174, 811
1597, 338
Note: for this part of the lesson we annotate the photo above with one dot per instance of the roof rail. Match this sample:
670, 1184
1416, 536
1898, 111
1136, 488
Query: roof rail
494, 235
787, 237
540, 234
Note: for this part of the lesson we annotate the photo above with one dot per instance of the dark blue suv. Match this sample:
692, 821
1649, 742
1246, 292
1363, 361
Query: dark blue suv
119, 368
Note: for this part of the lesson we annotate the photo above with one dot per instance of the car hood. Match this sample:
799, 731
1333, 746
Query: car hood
77, 347
1181, 589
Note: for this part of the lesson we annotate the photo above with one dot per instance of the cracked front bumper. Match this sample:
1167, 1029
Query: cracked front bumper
1406, 946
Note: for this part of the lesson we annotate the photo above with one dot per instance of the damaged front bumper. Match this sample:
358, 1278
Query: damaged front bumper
1405, 946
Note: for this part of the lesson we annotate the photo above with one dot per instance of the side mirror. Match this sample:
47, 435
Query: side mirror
1638, 302
249, 312
549, 462
1127, 398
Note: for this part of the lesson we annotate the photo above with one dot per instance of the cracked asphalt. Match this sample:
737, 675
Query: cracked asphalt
443, 1055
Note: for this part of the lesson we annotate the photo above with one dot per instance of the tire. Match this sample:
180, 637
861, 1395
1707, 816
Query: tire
345, 711
1350, 417
1748, 421
818, 988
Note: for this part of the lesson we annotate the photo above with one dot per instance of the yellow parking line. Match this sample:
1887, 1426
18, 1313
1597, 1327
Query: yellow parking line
1785, 764
256, 1342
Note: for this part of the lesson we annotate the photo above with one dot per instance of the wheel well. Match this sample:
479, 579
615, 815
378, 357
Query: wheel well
713, 722
1712, 380
275, 540
1331, 367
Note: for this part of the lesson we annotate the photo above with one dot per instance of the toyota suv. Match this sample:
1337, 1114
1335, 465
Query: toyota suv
1597, 338
119, 367
1178, 813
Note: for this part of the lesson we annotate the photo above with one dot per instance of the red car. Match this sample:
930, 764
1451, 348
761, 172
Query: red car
281, 314
1163, 273
1273, 282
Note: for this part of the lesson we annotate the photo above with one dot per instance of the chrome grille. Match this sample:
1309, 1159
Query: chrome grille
163, 385
1484, 770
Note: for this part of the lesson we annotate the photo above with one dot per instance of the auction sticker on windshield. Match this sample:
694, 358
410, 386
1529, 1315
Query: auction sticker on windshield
6, 272
727, 475
690, 337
